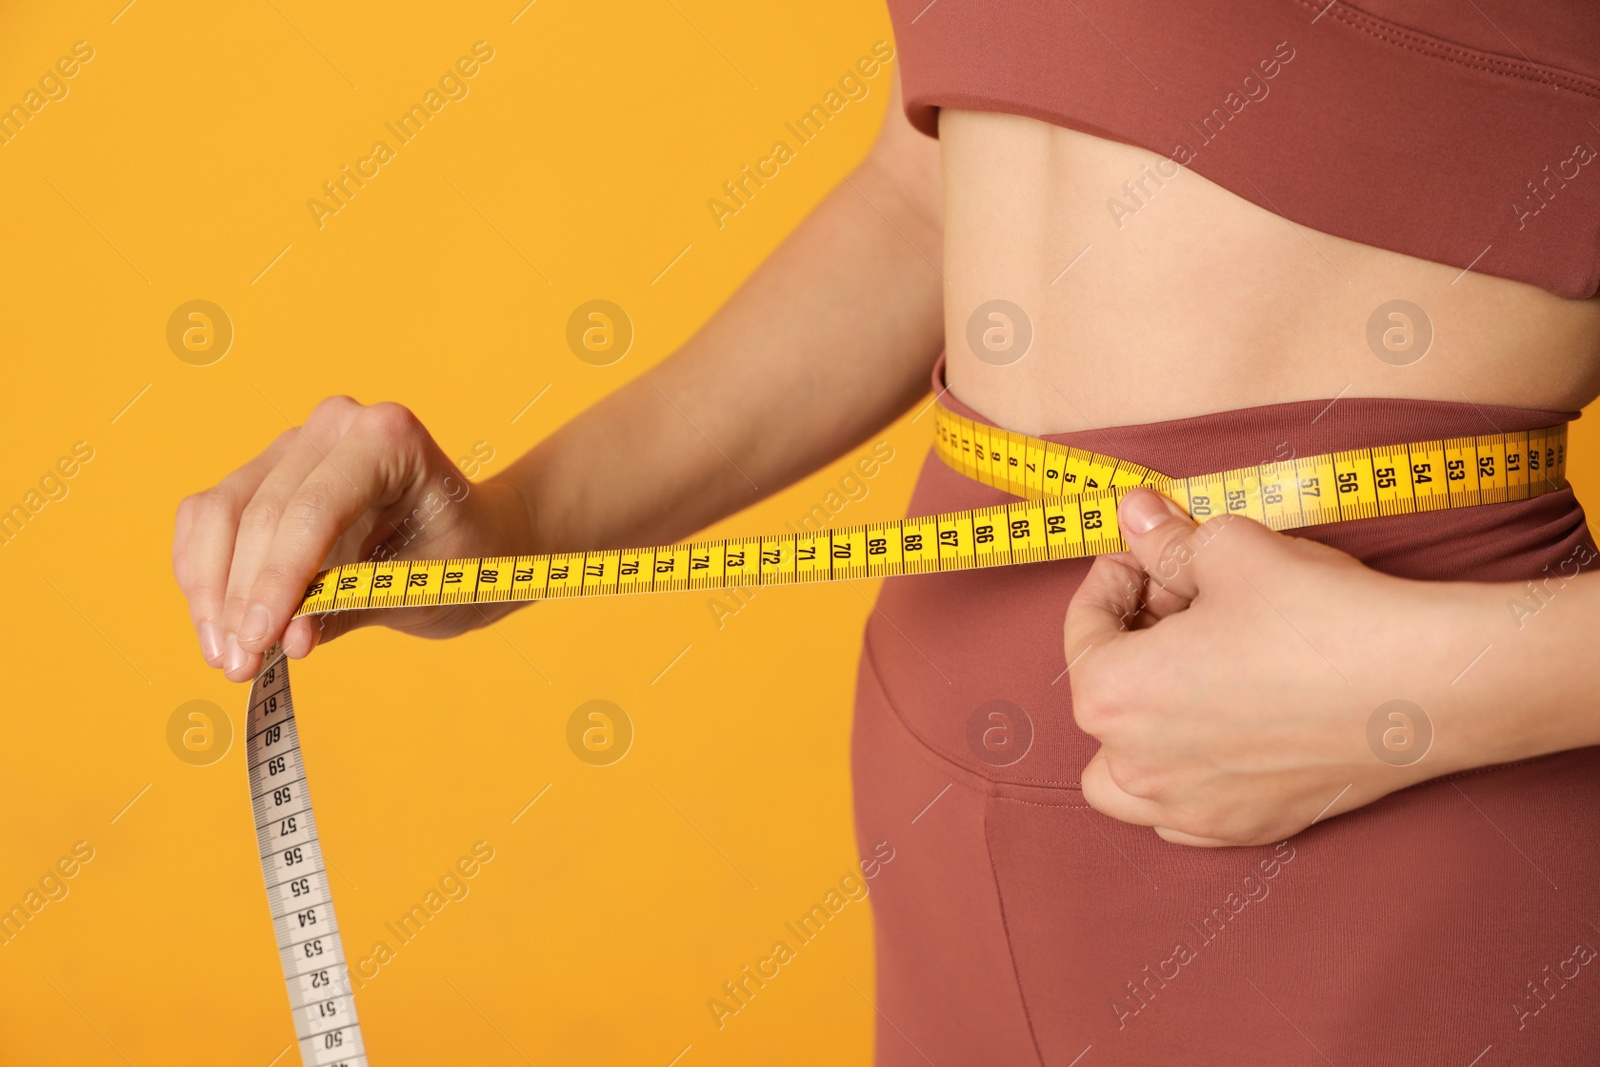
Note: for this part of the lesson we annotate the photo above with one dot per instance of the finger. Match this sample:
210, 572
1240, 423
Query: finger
300, 637
1160, 535
1178, 837
313, 631
257, 524
181, 529
259, 520
324, 628
1105, 796
1098, 613
1159, 603
202, 547
371, 468
304, 447
1152, 601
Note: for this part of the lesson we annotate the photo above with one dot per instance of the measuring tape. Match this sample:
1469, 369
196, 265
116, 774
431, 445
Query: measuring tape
297, 880
1068, 510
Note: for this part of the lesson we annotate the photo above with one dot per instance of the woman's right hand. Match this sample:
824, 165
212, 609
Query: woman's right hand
355, 483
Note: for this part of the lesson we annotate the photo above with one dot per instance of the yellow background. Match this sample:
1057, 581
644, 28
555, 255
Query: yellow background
579, 167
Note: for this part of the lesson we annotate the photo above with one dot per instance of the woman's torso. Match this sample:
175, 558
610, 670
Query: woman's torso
1152, 293
1060, 936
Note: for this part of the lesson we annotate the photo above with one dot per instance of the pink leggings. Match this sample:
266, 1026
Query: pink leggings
1016, 925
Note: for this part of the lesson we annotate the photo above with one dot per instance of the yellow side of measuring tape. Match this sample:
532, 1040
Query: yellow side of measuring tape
1069, 510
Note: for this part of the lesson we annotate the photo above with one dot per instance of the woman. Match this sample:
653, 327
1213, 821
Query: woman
1196, 237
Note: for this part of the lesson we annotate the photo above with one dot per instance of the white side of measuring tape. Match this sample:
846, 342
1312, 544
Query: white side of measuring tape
1067, 510
298, 892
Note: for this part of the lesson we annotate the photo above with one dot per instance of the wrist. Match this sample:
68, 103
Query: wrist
1505, 685
517, 522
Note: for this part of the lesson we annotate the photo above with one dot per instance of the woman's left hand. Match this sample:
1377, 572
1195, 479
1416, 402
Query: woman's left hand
1239, 680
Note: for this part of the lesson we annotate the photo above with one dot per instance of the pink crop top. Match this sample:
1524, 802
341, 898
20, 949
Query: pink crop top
1459, 131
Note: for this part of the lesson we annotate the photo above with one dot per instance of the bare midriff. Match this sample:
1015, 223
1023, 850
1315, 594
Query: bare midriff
1152, 293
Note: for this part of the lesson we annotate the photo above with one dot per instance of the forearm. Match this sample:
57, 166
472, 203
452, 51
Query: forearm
1528, 680
829, 341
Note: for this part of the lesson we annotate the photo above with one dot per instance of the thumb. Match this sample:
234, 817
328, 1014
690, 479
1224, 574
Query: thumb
309, 631
1160, 535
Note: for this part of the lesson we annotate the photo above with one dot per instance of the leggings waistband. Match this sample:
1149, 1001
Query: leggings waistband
1201, 444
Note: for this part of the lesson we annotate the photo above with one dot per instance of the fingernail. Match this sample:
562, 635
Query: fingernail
254, 627
1142, 511
210, 642
236, 659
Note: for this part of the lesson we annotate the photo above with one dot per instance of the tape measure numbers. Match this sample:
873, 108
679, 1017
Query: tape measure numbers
301, 901
1068, 510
